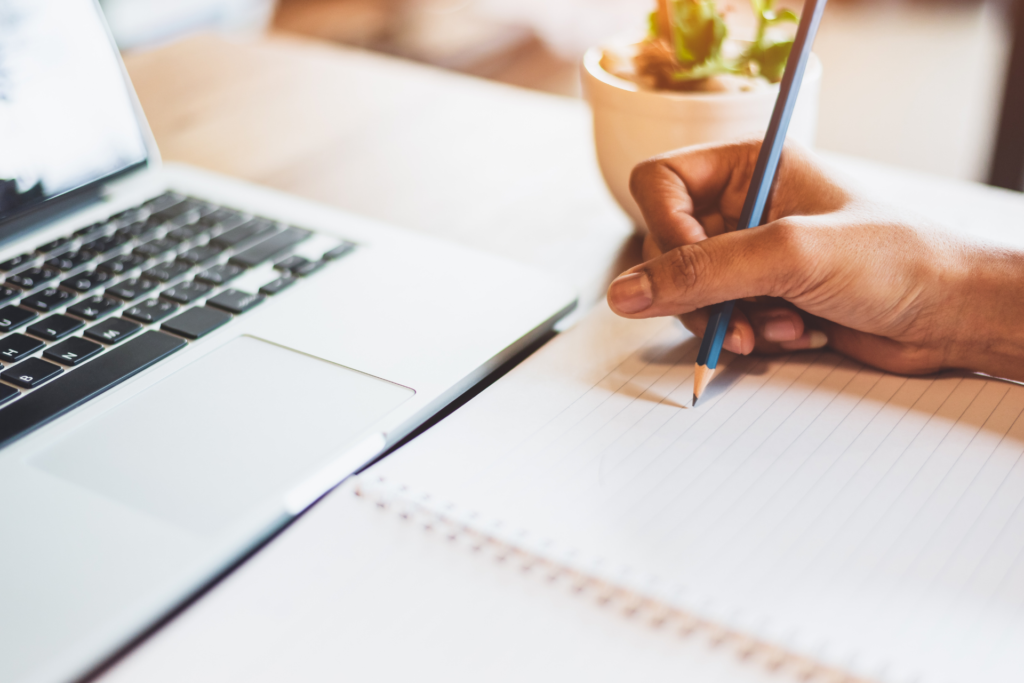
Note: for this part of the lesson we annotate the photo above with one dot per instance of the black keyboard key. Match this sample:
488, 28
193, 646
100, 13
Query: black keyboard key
16, 262
135, 213
64, 393
122, 264
200, 255
246, 231
163, 201
137, 228
205, 209
94, 307
72, 351
185, 233
269, 248
339, 251
54, 245
7, 393
151, 311
48, 300
221, 273
55, 327
12, 317
83, 282
291, 263
167, 271
70, 260
186, 292
309, 268
235, 301
33, 277
176, 211
112, 330
31, 373
156, 248
132, 288
223, 219
14, 347
91, 229
281, 283
101, 245
8, 293
196, 322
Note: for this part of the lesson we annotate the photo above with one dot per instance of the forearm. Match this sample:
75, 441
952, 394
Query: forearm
990, 327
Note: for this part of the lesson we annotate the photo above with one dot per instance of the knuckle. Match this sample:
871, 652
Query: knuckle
686, 273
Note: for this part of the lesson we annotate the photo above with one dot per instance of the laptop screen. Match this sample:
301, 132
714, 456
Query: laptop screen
66, 116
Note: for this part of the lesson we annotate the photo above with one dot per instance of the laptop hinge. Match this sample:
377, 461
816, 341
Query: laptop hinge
58, 207
49, 212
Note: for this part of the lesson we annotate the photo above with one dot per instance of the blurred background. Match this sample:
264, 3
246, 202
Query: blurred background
915, 83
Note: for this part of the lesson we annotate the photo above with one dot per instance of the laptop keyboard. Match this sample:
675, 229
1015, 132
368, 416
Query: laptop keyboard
86, 311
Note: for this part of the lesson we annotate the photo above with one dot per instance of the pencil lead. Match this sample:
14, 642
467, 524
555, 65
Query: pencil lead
701, 377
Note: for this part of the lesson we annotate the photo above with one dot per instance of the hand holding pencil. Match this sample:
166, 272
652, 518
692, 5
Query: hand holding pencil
729, 223
870, 285
882, 285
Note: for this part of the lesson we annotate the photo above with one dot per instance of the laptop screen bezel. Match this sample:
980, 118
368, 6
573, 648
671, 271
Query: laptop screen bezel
37, 216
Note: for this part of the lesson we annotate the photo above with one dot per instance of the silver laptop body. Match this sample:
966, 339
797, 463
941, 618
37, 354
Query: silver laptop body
188, 361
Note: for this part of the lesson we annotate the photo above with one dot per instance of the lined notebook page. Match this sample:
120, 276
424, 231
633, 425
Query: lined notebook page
872, 522
353, 592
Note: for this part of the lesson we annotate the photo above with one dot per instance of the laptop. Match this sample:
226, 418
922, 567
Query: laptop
188, 361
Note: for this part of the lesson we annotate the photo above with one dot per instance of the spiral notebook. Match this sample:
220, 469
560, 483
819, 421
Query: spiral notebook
818, 515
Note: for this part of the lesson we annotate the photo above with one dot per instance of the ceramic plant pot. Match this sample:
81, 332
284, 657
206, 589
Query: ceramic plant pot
632, 123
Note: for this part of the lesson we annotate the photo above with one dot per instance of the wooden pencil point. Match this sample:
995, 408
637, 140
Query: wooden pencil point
702, 375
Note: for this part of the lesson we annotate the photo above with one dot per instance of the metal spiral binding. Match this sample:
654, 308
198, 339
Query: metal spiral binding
586, 577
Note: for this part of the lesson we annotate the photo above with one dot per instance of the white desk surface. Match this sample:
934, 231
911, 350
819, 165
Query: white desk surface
499, 168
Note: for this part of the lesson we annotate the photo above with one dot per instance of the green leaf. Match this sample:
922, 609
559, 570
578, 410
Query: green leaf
698, 31
783, 16
652, 25
773, 60
684, 55
712, 67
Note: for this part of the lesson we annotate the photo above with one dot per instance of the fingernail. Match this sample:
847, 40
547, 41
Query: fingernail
734, 342
780, 330
631, 293
812, 339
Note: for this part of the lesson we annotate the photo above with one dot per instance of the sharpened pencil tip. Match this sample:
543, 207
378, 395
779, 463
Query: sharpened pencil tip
701, 376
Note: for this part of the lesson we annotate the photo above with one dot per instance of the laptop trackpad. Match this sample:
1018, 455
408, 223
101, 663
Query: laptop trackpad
224, 435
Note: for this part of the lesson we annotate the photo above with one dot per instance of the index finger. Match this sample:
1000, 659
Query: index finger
673, 188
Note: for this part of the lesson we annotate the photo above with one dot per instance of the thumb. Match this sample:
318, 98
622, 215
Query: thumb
756, 262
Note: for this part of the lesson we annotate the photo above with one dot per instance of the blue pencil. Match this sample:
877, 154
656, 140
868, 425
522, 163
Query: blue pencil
761, 181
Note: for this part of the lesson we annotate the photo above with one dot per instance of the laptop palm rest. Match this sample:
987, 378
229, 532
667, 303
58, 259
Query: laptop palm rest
225, 435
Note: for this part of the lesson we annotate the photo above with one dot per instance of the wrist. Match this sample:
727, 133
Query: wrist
989, 335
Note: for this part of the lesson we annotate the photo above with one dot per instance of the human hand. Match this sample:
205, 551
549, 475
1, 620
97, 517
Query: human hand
870, 281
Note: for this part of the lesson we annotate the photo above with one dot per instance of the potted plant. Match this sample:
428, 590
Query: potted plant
688, 83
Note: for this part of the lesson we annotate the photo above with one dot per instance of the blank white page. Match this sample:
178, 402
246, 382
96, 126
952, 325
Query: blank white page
869, 521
